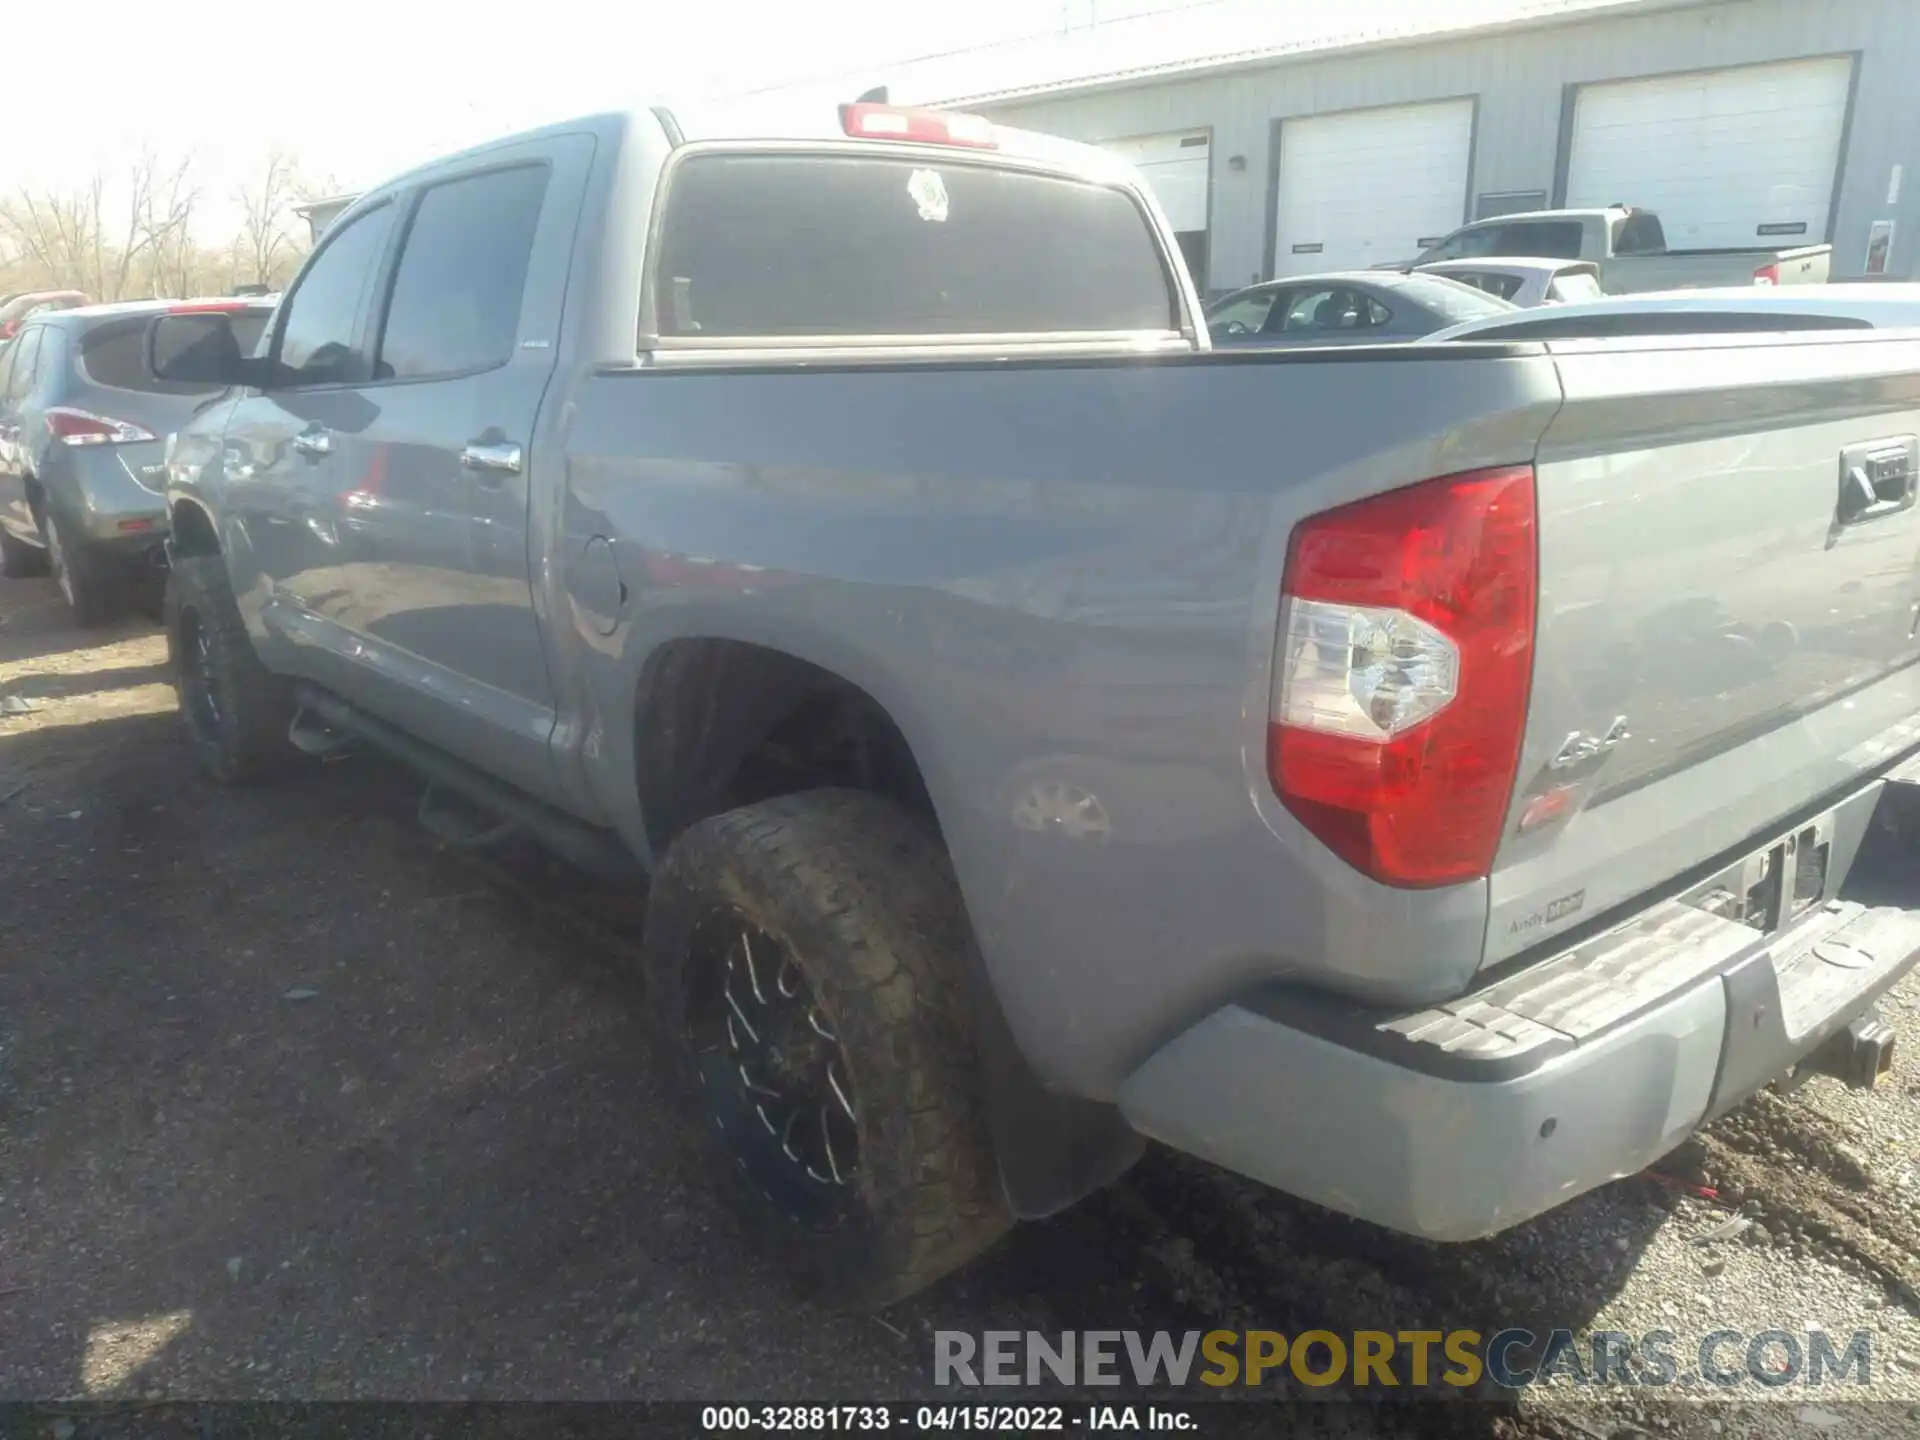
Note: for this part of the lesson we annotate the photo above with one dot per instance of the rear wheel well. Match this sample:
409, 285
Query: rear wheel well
191, 532
724, 723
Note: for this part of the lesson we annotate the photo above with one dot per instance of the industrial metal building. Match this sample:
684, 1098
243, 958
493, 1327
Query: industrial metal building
1742, 122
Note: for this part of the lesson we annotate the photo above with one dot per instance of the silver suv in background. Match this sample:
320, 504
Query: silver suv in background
83, 423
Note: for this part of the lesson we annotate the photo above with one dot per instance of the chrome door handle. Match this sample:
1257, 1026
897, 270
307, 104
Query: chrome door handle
313, 442
491, 458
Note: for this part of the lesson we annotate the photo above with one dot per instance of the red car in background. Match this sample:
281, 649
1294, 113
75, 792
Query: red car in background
14, 309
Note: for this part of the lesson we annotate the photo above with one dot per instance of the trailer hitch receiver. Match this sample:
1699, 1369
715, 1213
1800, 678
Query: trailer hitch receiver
1857, 1056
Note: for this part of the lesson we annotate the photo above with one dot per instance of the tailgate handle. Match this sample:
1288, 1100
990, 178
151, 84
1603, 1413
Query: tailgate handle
1877, 479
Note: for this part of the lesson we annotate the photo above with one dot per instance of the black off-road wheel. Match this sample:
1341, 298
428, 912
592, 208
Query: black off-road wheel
807, 961
236, 711
18, 559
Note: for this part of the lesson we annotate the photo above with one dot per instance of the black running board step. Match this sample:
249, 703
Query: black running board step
598, 851
454, 821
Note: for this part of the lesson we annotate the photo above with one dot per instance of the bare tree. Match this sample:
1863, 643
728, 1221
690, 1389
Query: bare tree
113, 263
266, 210
165, 224
81, 238
53, 233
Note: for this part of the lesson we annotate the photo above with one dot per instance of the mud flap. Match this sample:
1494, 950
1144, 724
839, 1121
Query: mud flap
1053, 1149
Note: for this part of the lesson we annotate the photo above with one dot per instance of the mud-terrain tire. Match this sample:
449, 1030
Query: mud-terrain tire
90, 583
235, 710
18, 559
858, 898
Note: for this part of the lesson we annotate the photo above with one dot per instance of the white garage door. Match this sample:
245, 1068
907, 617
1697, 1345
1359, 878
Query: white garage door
1370, 185
1176, 170
1726, 157
1175, 167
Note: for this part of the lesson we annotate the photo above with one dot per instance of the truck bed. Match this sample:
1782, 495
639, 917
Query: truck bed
1699, 269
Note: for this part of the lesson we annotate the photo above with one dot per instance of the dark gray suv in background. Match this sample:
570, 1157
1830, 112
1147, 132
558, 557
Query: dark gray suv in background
83, 427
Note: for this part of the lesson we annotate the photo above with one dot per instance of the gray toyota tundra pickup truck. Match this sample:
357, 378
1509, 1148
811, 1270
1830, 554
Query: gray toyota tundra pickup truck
1428, 779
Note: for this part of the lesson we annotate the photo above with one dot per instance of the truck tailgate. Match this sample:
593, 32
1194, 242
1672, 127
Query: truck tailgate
1729, 610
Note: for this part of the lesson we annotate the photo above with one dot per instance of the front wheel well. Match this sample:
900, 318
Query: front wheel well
191, 533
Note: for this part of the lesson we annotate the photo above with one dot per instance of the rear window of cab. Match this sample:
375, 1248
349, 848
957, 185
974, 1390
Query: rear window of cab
778, 246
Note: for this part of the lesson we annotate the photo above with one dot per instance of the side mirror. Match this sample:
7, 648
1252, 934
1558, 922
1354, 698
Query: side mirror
196, 348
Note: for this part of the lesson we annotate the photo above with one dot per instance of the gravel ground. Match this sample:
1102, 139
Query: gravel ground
295, 1104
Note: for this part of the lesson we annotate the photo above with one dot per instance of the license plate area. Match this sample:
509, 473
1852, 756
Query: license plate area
1775, 886
1826, 954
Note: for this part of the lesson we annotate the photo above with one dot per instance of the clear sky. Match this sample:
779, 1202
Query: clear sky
359, 89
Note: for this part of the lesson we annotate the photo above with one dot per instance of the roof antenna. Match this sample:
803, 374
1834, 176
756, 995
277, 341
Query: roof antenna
876, 96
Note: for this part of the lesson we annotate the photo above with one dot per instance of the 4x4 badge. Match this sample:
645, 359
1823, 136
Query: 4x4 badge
1578, 748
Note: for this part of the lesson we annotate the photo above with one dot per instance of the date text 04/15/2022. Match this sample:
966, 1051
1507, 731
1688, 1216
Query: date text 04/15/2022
989, 1419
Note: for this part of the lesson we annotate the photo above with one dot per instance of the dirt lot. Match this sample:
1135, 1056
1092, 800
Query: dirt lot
296, 1104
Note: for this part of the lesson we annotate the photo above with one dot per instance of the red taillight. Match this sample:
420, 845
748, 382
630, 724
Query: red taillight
922, 127
1403, 671
83, 427
1767, 275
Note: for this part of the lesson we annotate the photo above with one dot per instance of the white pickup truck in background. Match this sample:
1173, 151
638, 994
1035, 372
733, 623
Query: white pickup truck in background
1630, 248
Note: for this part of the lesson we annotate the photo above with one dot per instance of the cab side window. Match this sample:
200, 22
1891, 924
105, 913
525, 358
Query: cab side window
462, 275
1551, 239
319, 338
1465, 245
